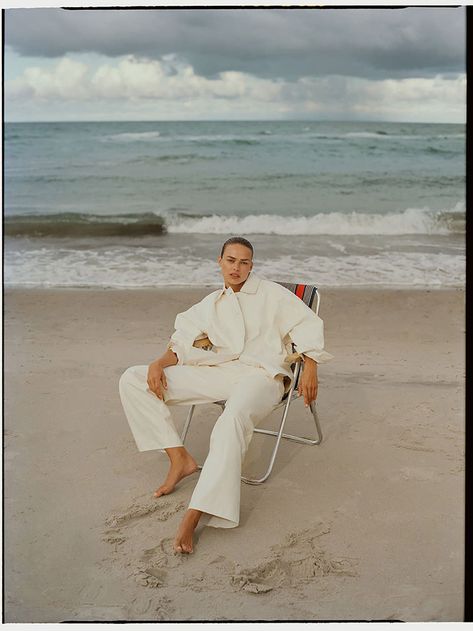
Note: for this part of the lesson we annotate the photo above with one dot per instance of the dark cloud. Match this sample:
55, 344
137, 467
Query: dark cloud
372, 43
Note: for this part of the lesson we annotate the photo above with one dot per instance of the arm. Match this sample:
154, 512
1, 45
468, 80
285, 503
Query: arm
189, 339
189, 325
309, 381
305, 330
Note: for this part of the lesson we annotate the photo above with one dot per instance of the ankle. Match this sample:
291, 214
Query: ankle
193, 515
177, 454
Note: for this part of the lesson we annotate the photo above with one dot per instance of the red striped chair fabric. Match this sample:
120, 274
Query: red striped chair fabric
306, 293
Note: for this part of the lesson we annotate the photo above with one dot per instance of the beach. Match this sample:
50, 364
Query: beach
369, 525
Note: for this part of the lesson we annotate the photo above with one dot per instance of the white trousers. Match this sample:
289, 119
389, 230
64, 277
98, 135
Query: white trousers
250, 394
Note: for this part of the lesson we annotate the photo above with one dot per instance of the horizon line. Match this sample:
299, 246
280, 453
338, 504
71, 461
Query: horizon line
241, 120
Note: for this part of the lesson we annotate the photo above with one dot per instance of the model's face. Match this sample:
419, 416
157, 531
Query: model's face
236, 264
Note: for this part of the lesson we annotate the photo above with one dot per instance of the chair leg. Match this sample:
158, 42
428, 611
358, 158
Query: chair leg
279, 436
275, 450
313, 409
187, 423
299, 439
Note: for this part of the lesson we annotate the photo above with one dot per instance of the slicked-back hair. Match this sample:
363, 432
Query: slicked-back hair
240, 240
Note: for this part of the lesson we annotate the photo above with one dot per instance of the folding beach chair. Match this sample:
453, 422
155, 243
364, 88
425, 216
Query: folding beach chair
307, 293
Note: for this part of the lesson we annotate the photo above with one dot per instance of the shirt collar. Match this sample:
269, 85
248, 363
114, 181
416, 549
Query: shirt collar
250, 286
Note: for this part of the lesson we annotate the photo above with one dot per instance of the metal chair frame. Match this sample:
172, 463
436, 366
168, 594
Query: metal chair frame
286, 402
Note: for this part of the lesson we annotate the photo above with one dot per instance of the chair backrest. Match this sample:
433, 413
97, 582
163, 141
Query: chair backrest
306, 293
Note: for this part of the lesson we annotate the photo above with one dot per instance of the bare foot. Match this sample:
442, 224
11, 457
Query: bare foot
182, 465
183, 540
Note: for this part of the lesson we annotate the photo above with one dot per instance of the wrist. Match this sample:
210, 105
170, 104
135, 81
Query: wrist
309, 361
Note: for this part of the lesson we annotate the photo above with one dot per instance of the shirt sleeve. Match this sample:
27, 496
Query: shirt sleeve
304, 328
189, 326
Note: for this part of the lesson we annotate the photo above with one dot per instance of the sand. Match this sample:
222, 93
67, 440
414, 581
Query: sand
367, 526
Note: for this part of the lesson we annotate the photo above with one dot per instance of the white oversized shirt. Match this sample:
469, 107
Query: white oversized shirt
255, 325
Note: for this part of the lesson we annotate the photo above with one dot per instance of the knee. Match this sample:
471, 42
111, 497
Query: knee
128, 378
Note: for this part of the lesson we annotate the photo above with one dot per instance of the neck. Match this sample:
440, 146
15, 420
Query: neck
236, 287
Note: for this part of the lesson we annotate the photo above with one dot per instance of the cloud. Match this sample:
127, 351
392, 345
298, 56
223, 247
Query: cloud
137, 78
171, 88
269, 43
67, 81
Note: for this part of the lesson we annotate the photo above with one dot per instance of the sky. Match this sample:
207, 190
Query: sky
403, 64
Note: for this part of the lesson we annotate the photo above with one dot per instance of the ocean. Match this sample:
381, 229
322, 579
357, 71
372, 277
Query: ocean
147, 204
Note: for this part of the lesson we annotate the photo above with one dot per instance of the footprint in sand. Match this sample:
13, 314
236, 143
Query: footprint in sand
161, 511
161, 609
116, 522
151, 577
151, 568
155, 564
114, 536
164, 555
164, 610
297, 559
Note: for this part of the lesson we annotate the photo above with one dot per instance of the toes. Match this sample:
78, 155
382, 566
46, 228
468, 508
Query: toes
183, 548
161, 491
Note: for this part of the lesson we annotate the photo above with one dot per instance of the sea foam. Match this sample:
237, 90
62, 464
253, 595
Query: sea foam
141, 267
409, 221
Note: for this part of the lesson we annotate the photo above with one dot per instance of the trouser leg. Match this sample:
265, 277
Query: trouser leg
250, 395
218, 489
149, 418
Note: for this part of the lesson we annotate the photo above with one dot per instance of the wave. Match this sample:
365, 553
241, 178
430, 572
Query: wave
442, 150
369, 134
222, 138
410, 221
263, 137
180, 158
143, 136
91, 177
155, 136
386, 135
79, 225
